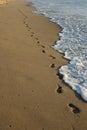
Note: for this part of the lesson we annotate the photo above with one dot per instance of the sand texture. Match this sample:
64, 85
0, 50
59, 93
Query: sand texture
29, 95
3, 1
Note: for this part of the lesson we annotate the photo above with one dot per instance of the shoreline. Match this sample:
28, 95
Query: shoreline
29, 94
60, 76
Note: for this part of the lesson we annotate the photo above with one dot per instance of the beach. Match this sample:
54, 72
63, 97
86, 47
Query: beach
29, 96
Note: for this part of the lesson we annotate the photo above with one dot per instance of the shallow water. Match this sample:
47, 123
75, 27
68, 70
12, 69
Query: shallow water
72, 17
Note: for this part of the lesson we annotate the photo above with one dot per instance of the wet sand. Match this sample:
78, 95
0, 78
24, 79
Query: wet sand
32, 96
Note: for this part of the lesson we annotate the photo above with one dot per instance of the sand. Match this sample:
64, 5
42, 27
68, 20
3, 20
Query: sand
29, 99
3, 1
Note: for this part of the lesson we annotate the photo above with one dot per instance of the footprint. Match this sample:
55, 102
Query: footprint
59, 89
10, 126
32, 32
42, 46
74, 108
59, 74
37, 38
52, 65
32, 91
18, 95
26, 25
32, 35
43, 51
24, 108
24, 22
38, 42
53, 57
29, 27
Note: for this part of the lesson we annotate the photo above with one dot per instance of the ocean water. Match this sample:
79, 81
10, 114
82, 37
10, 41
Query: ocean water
71, 15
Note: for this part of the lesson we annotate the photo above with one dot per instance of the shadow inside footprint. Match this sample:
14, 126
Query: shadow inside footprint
53, 57
42, 46
59, 89
26, 25
32, 35
32, 32
37, 38
38, 42
52, 65
43, 51
59, 74
75, 109
10, 125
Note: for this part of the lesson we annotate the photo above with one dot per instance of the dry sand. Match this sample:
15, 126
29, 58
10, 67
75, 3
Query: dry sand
3, 1
28, 84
